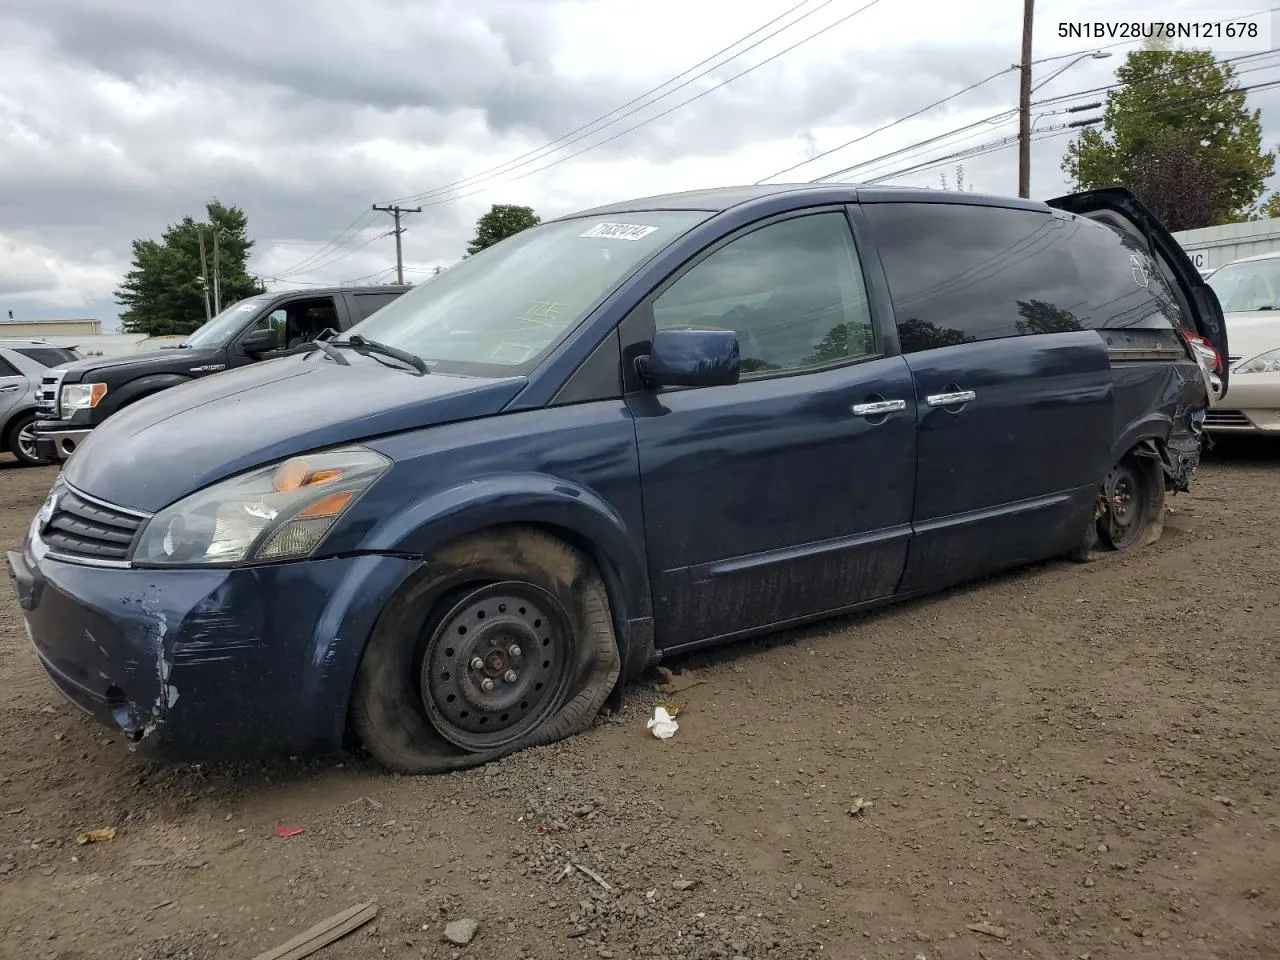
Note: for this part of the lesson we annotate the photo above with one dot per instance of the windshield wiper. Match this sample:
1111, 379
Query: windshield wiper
362, 345
310, 345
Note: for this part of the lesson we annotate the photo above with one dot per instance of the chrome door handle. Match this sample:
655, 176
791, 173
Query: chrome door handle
877, 407
950, 399
9, 388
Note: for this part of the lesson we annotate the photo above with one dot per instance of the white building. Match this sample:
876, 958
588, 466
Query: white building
1211, 247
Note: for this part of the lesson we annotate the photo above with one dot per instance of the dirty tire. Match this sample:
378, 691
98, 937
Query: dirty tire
19, 446
388, 712
1143, 523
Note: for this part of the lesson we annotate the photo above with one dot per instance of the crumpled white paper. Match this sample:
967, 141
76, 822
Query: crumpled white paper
662, 724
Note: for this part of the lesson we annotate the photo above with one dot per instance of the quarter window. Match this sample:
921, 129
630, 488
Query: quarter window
793, 291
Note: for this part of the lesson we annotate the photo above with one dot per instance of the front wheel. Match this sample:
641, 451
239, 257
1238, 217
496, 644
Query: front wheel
503, 643
22, 442
1130, 509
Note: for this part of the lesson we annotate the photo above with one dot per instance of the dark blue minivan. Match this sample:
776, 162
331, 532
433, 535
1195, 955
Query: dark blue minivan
455, 530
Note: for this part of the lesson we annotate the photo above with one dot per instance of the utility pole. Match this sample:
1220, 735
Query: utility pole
218, 292
1024, 105
204, 275
395, 212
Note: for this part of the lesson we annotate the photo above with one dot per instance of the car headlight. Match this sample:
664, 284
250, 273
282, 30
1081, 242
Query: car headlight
81, 396
279, 512
1268, 362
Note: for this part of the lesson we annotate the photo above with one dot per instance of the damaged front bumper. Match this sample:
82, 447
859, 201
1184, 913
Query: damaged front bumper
207, 664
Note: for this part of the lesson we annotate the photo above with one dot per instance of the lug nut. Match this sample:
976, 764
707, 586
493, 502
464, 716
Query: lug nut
477, 663
486, 684
510, 676
513, 650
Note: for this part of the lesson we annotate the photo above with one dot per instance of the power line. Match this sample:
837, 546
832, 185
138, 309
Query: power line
670, 110
1001, 144
284, 278
348, 233
974, 86
1006, 115
893, 123
586, 129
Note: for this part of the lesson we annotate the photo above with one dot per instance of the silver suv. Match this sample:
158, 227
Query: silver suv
22, 365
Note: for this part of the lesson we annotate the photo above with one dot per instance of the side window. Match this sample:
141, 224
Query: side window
369, 303
275, 320
792, 290
48, 356
298, 321
7, 369
1122, 282
959, 273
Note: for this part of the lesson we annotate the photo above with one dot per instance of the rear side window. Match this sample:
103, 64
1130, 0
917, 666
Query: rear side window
369, 303
961, 273
1123, 285
48, 356
7, 369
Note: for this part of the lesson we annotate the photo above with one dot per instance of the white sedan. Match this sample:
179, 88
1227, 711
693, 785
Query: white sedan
1249, 291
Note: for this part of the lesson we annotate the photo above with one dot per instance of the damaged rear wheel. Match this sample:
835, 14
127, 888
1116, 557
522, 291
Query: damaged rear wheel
503, 643
1129, 512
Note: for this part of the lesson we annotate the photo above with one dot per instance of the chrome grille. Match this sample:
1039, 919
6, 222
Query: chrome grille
80, 528
1226, 418
1234, 358
47, 394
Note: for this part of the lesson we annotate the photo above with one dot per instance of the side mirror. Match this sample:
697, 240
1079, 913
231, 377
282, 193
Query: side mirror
692, 357
259, 342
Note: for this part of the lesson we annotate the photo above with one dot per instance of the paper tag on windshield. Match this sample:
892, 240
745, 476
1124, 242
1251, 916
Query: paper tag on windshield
619, 231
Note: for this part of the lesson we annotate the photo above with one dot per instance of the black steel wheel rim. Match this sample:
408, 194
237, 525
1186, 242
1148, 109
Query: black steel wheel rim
1125, 507
496, 665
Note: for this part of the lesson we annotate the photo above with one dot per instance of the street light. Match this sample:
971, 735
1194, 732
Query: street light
1024, 105
1095, 55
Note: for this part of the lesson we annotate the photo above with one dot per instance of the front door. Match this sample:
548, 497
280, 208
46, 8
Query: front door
13, 390
788, 494
1013, 389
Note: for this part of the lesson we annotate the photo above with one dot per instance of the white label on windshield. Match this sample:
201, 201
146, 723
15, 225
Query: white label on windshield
619, 231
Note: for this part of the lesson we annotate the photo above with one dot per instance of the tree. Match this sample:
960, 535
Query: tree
503, 220
1178, 134
163, 293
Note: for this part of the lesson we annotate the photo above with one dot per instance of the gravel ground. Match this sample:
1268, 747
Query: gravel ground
1069, 762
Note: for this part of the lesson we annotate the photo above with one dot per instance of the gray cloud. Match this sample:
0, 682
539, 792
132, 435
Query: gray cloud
118, 119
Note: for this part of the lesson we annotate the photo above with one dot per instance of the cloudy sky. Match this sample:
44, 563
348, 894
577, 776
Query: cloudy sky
117, 119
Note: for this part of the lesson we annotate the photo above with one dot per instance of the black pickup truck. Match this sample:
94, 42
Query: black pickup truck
76, 397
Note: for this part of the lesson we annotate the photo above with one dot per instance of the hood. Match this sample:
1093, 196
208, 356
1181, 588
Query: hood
1253, 332
174, 360
177, 441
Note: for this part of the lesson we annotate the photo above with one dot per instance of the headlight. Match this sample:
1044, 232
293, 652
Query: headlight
1268, 362
279, 512
81, 396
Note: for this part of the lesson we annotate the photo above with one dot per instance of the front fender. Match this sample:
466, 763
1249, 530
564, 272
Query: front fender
127, 393
571, 510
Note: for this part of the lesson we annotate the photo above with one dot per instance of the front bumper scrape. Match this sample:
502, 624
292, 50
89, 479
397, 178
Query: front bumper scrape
209, 664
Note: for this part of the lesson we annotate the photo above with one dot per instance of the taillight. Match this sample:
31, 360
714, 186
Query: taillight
1205, 350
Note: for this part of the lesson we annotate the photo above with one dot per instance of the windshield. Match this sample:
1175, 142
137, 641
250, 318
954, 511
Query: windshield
227, 324
500, 312
1247, 285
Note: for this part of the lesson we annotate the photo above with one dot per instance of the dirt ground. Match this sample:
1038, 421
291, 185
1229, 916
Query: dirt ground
1069, 762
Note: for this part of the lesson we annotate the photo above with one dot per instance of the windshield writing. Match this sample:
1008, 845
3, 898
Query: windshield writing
1248, 285
500, 312
227, 324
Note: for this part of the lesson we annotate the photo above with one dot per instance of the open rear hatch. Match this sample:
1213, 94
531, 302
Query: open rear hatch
1119, 208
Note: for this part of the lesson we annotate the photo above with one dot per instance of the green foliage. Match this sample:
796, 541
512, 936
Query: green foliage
1177, 133
503, 220
163, 294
